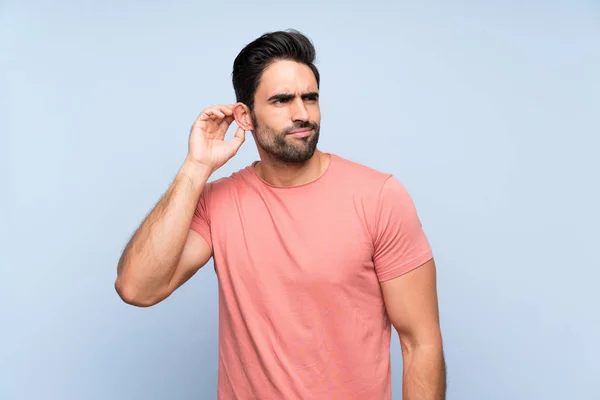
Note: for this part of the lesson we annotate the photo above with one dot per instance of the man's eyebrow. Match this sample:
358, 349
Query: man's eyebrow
281, 97
310, 95
289, 96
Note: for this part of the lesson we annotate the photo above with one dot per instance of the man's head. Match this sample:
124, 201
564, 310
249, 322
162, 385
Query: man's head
276, 80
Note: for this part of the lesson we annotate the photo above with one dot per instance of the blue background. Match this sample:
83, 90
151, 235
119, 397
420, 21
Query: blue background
487, 111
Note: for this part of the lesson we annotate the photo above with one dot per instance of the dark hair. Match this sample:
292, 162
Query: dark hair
256, 56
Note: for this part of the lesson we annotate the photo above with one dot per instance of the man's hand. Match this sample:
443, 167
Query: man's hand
207, 145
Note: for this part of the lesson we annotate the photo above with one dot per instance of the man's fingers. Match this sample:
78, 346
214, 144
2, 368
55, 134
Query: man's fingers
222, 110
238, 138
240, 133
215, 113
226, 109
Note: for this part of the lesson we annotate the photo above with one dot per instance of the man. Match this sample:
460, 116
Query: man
316, 256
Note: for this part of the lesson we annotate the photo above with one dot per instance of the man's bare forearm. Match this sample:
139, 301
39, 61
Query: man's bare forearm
151, 256
424, 373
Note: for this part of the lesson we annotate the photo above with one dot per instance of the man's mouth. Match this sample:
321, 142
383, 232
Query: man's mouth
301, 133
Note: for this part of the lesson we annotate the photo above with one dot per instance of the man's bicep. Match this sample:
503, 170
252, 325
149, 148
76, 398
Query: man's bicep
411, 302
196, 253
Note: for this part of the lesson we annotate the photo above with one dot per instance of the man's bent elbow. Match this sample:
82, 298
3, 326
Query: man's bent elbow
130, 294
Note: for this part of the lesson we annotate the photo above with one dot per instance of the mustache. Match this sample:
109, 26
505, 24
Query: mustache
300, 125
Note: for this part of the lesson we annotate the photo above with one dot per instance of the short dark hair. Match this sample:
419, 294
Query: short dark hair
257, 55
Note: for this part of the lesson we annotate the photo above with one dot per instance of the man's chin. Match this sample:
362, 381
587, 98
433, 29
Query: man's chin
297, 157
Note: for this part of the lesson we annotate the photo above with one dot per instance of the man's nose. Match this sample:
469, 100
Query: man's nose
299, 111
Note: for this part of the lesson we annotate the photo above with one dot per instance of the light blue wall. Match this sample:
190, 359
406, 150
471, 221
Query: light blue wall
488, 112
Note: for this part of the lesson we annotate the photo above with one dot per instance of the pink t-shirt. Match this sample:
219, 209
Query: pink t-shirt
301, 314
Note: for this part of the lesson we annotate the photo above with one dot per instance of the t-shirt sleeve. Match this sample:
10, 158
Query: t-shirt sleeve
400, 243
201, 219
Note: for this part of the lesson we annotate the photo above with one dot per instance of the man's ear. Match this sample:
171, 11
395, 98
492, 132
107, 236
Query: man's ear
242, 116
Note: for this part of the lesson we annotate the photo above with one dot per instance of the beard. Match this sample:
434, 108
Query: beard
282, 148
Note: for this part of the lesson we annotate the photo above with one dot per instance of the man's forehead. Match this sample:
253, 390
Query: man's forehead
287, 77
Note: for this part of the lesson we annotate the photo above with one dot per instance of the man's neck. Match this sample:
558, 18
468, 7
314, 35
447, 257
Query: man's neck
282, 174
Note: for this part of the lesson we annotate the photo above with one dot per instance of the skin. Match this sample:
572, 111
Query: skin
164, 253
286, 97
412, 305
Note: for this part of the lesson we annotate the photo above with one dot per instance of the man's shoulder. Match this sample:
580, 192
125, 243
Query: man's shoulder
223, 184
361, 174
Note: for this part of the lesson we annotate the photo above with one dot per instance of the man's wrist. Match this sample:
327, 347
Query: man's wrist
195, 173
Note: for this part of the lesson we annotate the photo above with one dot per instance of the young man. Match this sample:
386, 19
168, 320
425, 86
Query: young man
316, 256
